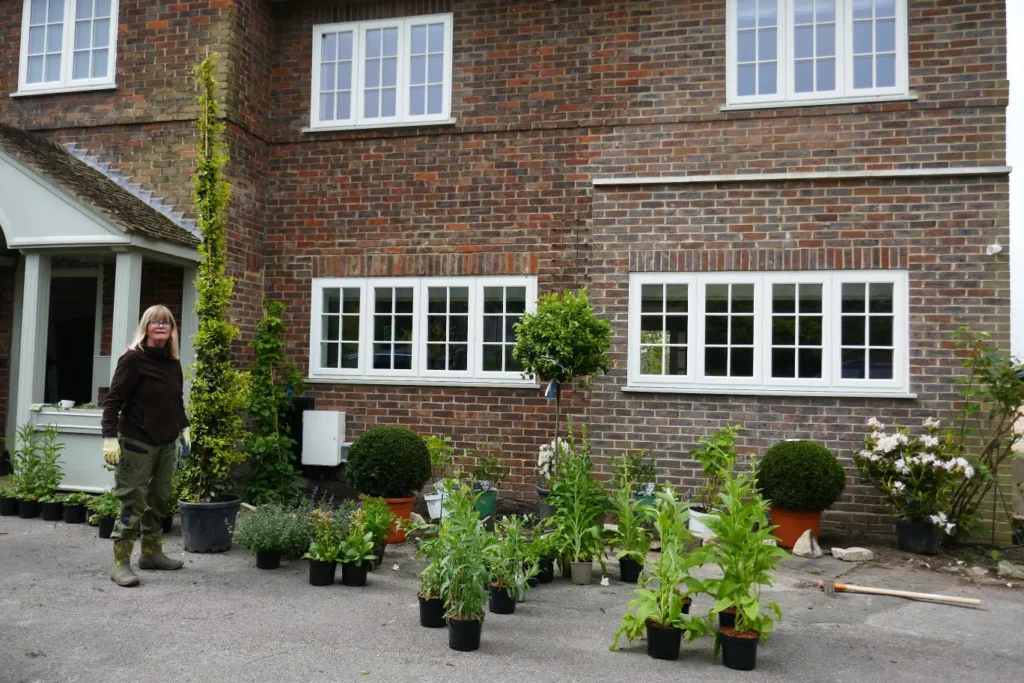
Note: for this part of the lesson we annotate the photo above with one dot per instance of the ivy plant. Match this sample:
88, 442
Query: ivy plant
219, 390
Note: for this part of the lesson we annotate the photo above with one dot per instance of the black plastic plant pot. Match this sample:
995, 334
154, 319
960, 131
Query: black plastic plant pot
52, 512
918, 537
727, 618
321, 573
28, 509
168, 524
354, 574
432, 613
74, 514
106, 527
501, 602
739, 649
8, 507
464, 636
533, 582
663, 641
629, 570
207, 527
268, 559
546, 565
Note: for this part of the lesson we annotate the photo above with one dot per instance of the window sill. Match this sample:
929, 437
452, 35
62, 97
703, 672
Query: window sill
910, 97
768, 391
383, 126
64, 91
429, 382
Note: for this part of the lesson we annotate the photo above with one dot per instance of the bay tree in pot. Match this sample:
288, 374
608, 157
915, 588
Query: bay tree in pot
462, 568
799, 479
393, 463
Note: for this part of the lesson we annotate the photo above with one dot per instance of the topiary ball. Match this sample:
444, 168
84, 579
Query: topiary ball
801, 476
388, 462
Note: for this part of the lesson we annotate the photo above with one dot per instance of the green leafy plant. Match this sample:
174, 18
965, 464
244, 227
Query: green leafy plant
388, 462
633, 469
326, 543
717, 457
76, 499
357, 545
508, 558
579, 499
442, 455
463, 545
36, 462
431, 548
51, 498
271, 527
274, 382
487, 472
541, 546
105, 505
631, 539
219, 391
800, 475
377, 518
659, 599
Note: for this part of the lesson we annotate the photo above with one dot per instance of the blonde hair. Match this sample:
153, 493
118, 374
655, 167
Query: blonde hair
152, 313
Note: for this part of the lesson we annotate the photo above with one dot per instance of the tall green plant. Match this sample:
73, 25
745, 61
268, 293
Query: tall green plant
219, 390
508, 558
36, 462
274, 381
717, 457
579, 499
464, 544
630, 537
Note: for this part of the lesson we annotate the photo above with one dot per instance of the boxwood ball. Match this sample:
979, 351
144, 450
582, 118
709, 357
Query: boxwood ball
801, 476
389, 462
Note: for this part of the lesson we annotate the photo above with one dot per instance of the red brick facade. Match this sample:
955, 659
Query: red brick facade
547, 96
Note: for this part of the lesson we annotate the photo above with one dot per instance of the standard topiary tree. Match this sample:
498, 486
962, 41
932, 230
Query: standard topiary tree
388, 462
801, 476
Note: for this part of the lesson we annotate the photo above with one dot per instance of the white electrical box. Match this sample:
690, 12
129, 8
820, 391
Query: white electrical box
323, 433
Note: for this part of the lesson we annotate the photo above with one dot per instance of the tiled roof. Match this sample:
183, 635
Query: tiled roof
127, 206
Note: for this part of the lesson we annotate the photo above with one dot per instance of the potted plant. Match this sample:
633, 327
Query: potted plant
541, 552
799, 479
463, 573
630, 537
660, 610
378, 519
389, 462
356, 554
52, 507
488, 474
579, 501
105, 508
546, 459
716, 455
219, 391
638, 472
270, 532
442, 454
918, 475
9, 498
74, 508
745, 554
36, 466
324, 549
508, 562
431, 598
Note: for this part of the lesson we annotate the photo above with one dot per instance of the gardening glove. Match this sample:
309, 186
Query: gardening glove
184, 444
111, 451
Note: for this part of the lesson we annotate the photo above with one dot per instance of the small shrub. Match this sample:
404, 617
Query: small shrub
388, 462
105, 505
800, 475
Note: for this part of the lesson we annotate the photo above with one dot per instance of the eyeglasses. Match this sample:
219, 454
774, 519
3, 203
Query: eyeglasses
160, 323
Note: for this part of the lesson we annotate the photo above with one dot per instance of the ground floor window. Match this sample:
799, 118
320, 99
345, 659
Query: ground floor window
818, 332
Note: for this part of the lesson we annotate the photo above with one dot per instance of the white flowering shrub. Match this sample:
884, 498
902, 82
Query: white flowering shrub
546, 460
918, 474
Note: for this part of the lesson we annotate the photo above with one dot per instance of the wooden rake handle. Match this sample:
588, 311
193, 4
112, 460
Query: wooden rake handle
909, 595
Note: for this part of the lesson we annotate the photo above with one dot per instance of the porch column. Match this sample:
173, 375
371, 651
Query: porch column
189, 323
35, 316
127, 285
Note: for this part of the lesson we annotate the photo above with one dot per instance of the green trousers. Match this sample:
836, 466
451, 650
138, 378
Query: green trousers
142, 482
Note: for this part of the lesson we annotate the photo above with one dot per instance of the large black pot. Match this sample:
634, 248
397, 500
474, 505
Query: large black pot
207, 527
546, 567
106, 527
354, 574
268, 559
464, 636
432, 613
629, 570
28, 509
918, 537
501, 602
545, 510
52, 512
74, 514
321, 573
739, 653
663, 641
379, 551
727, 619
8, 506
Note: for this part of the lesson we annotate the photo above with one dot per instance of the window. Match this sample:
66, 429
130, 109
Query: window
796, 51
67, 44
381, 73
423, 330
826, 332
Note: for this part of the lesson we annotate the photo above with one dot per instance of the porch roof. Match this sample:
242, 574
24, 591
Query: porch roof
100, 192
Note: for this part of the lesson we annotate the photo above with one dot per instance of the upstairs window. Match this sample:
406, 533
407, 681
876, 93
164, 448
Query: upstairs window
382, 73
796, 51
67, 44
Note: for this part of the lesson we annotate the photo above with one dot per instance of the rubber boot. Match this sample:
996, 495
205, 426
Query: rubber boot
153, 555
122, 573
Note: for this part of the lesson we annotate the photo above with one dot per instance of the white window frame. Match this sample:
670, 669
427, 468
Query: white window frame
830, 384
418, 374
785, 90
66, 82
357, 118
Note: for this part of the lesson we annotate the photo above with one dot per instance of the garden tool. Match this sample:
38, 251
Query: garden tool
833, 587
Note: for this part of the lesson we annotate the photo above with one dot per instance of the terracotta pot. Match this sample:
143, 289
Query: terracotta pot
402, 508
792, 524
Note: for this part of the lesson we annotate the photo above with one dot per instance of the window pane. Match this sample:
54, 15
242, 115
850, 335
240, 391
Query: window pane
436, 37
492, 357
716, 329
783, 298
492, 328
810, 298
880, 330
331, 327
803, 76
853, 298
372, 73
767, 79
862, 43
54, 37
783, 363
803, 11
746, 80
417, 101
36, 38
675, 327
38, 12
862, 72
676, 360
351, 300
743, 298
651, 298
350, 355
886, 75
766, 12
403, 328
350, 328
418, 71
767, 43
853, 330
372, 108
803, 42
742, 329
746, 46
328, 77
387, 102
510, 332
459, 297
651, 323
862, 9
329, 47
390, 42
403, 356
436, 69
457, 355
56, 12
717, 299
458, 328
35, 70
382, 297
881, 364
826, 10
80, 65
746, 13
327, 107
742, 363
101, 33
345, 45
345, 76
885, 8
515, 299
853, 364
493, 301
511, 364
403, 300
382, 328
389, 76
885, 35
651, 360
677, 301
810, 363
881, 297
436, 328
434, 99
437, 299
783, 330
826, 46
419, 40
52, 68
342, 111
83, 9
329, 355
373, 43
810, 330
716, 362
83, 34
435, 357
826, 75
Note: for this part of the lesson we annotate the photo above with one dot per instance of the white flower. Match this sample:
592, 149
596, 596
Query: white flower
887, 443
902, 467
931, 423
926, 458
950, 528
929, 441
605, 581
901, 438
875, 424
865, 454
898, 487
939, 519
395, 567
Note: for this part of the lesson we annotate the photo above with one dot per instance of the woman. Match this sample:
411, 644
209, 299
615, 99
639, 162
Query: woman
143, 416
